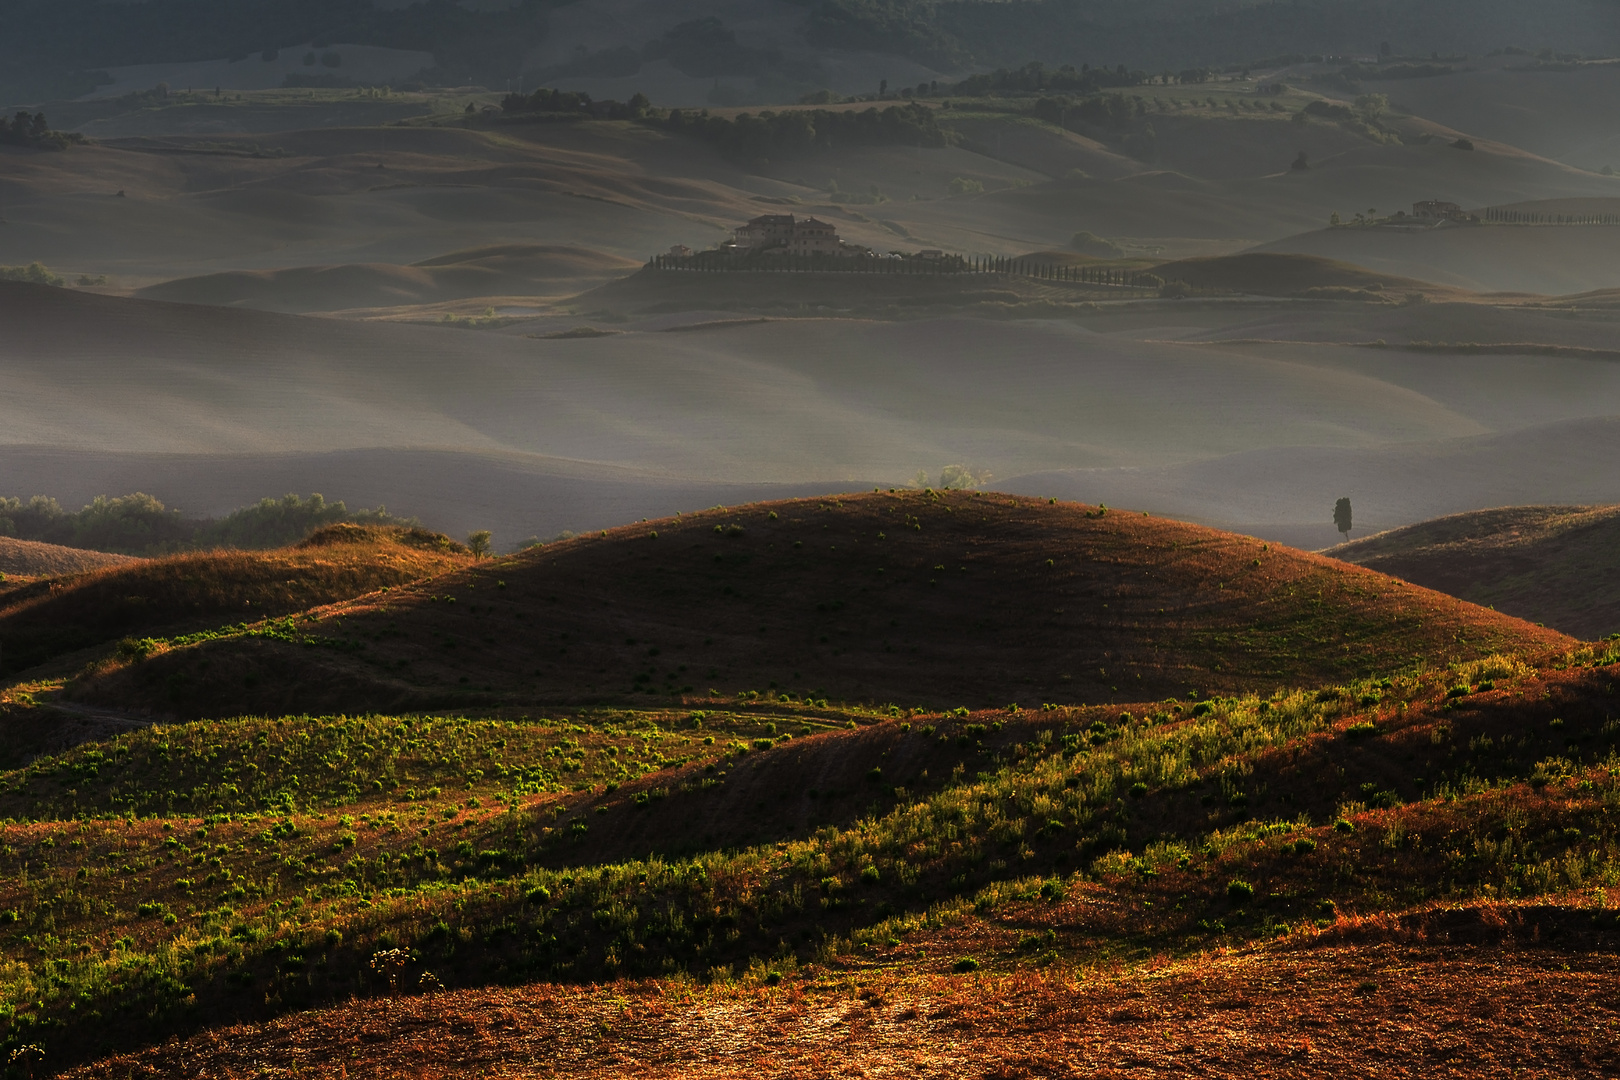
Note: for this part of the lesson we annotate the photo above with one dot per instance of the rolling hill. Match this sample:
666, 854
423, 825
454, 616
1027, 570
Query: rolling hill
773, 851
1276, 274
29, 558
526, 270
1547, 564
141, 598
946, 598
1175, 406
1550, 260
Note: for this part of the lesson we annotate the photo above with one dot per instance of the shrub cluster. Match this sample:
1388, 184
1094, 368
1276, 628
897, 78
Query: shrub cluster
34, 131
139, 524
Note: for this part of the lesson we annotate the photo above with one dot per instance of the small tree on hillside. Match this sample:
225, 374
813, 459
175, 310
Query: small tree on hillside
478, 543
1341, 517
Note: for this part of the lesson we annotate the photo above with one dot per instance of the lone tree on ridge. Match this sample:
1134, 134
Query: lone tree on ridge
1341, 517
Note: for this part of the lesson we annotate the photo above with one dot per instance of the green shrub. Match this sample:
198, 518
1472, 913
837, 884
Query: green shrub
34, 274
965, 965
1239, 892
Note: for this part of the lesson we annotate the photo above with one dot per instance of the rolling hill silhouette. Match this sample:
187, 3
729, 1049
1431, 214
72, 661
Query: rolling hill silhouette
942, 597
1547, 564
188, 592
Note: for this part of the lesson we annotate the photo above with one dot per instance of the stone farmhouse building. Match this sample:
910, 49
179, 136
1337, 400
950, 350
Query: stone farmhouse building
783, 234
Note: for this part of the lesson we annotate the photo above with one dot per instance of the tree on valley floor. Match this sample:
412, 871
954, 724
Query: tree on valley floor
478, 543
1341, 517
34, 131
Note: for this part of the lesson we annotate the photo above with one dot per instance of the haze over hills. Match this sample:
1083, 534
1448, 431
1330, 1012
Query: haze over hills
731, 412
796, 705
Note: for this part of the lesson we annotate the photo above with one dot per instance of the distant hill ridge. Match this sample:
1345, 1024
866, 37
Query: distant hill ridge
1558, 565
907, 596
504, 270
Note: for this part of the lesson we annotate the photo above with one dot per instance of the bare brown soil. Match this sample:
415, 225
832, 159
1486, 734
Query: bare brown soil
140, 598
1548, 564
912, 597
1384, 1009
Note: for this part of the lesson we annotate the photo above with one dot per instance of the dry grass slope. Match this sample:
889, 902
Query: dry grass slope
29, 558
945, 598
1548, 564
140, 598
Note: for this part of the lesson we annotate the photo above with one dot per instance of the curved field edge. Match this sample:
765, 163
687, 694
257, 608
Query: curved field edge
1110, 836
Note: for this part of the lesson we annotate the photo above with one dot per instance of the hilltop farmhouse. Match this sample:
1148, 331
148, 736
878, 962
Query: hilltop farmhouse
783, 234
1437, 210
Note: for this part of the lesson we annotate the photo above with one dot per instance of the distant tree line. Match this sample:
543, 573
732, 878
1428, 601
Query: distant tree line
1036, 78
1525, 217
570, 105
1116, 112
139, 524
26, 129
766, 134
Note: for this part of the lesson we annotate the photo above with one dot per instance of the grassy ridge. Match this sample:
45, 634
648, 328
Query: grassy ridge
122, 927
1547, 564
938, 598
189, 592
27, 558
